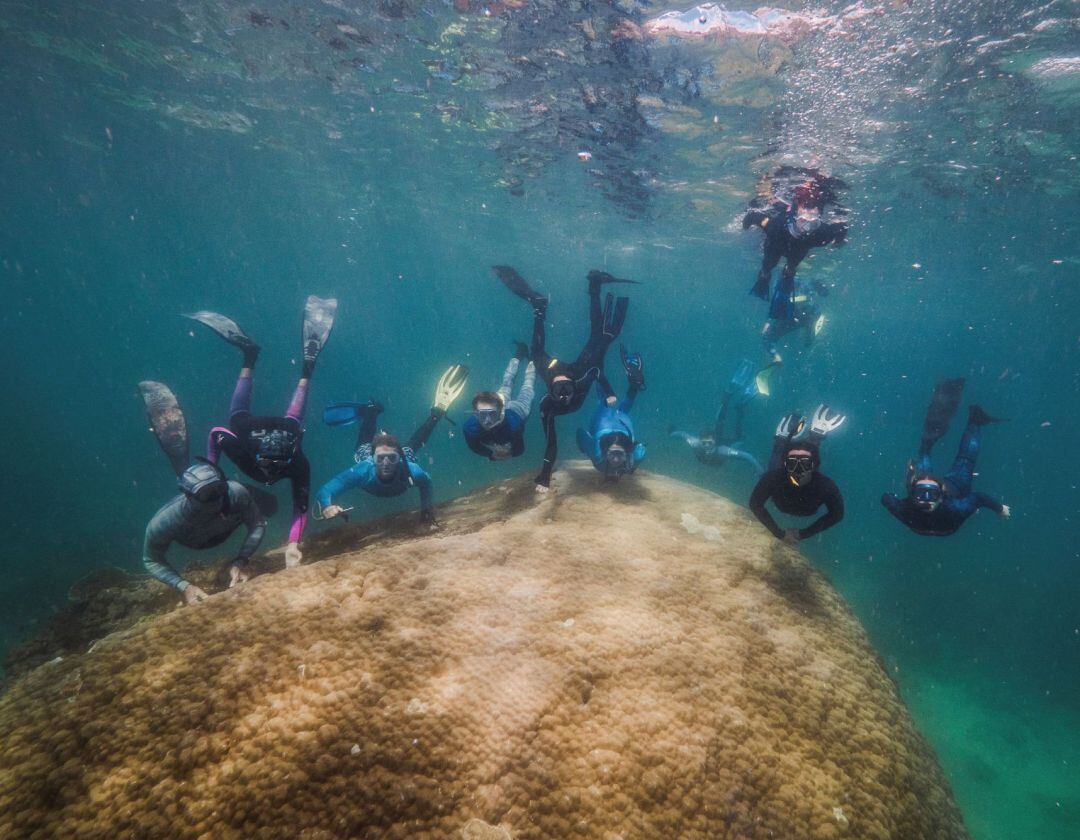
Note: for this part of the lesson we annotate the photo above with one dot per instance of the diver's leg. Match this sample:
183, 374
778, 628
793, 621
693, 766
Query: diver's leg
522, 404
740, 416
298, 403
721, 417
962, 472
770, 257
509, 375
241, 398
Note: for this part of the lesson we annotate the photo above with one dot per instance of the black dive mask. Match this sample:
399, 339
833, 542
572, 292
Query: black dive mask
927, 495
563, 391
800, 469
489, 418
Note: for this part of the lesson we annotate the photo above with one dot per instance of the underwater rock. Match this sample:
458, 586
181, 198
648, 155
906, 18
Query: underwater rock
576, 666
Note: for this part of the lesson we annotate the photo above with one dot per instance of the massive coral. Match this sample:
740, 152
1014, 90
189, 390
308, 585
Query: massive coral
639, 660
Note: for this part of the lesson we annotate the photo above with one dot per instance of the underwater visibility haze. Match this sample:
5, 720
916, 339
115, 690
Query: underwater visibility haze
162, 158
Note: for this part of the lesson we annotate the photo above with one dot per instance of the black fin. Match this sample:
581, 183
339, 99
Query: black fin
979, 417
942, 409
167, 422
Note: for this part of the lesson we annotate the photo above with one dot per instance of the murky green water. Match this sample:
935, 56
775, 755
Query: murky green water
166, 157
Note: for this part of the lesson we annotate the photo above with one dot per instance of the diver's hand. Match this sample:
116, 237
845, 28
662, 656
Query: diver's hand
192, 594
500, 452
1005, 512
791, 536
612, 400
238, 574
292, 556
428, 520
542, 488
330, 511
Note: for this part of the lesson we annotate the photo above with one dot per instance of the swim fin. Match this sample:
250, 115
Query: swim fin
517, 284
979, 417
229, 330
634, 365
167, 423
764, 377
615, 314
819, 325
318, 322
942, 409
599, 278
345, 414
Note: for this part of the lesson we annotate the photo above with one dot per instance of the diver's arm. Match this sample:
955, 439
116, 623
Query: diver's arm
479, 448
750, 459
344, 480
984, 501
761, 493
155, 545
551, 450
753, 217
424, 484
256, 528
834, 512
894, 505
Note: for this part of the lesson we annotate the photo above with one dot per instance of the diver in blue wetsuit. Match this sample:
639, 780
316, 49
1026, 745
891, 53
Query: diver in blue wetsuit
937, 507
610, 442
384, 467
496, 428
716, 448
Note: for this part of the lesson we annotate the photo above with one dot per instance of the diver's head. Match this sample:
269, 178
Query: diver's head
807, 220
926, 493
488, 408
800, 463
386, 452
205, 486
617, 449
562, 389
275, 453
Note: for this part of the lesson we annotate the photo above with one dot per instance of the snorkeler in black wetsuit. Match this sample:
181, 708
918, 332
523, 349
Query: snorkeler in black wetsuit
791, 231
793, 480
569, 382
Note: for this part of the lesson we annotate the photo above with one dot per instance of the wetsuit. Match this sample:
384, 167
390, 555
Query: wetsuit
509, 435
185, 522
246, 434
959, 502
781, 240
605, 323
611, 420
362, 474
717, 448
777, 485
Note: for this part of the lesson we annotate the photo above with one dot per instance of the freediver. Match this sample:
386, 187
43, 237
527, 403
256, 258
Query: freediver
716, 448
791, 231
568, 383
384, 468
794, 480
496, 428
208, 508
938, 506
268, 449
610, 442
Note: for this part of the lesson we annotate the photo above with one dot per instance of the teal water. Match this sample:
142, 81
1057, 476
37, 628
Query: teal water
162, 158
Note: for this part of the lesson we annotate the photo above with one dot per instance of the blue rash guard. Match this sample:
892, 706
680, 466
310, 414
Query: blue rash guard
609, 420
362, 475
510, 432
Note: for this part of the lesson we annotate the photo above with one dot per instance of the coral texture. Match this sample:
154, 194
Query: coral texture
639, 660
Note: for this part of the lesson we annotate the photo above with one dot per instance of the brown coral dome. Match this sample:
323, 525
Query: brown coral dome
640, 660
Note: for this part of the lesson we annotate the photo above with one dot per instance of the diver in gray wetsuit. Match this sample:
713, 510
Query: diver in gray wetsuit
717, 448
203, 515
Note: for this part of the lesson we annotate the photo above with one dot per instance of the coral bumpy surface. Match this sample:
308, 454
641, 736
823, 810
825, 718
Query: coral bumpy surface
639, 660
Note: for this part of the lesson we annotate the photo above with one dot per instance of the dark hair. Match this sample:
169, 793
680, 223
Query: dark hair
487, 397
384, 439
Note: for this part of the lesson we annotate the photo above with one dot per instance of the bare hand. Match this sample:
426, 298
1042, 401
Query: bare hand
1006, 512
330, 511
292, 556
237, 575
540, 488
192, 594
791, 536
612, 400
499, 452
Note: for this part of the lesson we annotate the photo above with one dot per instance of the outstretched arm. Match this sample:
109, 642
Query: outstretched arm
155, 545
986, 501
301, 495
344, 480
834, 512
423, 482
750, 459
762, 492
256, 528
551, 451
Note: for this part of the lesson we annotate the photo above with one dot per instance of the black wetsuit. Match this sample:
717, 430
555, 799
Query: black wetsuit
605, 323
780, 242
797, 501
